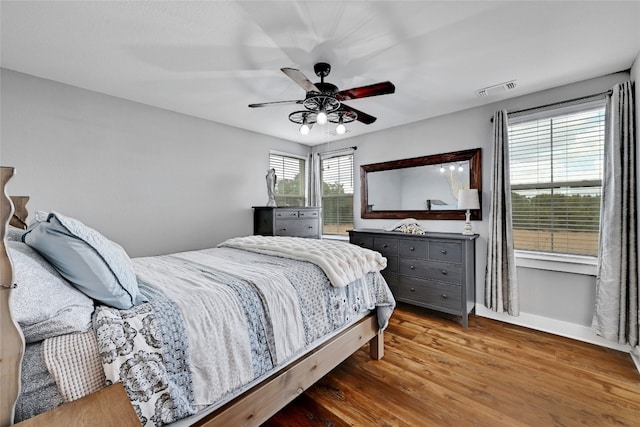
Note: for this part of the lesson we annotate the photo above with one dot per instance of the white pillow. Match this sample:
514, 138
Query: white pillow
43, 303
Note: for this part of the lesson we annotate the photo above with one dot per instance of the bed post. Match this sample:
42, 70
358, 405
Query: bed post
11, 339
376, 346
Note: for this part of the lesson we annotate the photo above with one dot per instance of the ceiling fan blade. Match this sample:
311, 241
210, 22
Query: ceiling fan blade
302, 80
268, 104
365, 118
382, 88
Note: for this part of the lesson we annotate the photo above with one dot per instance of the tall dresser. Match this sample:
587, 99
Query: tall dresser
433, 270
290, 221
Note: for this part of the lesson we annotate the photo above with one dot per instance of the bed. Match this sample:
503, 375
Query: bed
222, 336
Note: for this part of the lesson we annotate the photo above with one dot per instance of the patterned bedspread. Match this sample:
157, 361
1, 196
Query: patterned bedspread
219, 318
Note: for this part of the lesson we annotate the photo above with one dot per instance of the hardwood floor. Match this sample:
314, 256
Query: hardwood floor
435, 373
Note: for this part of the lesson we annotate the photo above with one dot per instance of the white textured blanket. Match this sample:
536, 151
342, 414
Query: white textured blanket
342, 262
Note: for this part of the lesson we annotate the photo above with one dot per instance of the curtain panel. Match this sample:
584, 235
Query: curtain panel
501, 284
617, 316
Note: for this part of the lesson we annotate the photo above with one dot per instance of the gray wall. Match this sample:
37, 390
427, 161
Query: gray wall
150, 179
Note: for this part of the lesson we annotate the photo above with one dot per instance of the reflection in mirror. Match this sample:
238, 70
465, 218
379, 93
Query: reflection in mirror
422, 187
432, 187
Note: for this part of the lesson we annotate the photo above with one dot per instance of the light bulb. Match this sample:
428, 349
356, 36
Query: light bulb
321, 119
341, 129
304, 129
460, 168
452, 168
441, 169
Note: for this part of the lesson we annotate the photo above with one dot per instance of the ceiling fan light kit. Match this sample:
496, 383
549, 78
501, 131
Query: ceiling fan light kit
323, 102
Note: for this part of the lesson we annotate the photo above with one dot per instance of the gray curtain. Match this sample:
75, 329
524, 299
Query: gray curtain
501, 284
616, 310
315, 181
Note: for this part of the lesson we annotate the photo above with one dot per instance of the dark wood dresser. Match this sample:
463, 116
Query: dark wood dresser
290, 221
433, 270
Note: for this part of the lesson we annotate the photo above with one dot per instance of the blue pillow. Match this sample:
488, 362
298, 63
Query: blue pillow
92, 263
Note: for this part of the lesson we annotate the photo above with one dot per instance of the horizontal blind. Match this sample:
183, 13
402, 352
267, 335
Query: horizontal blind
556, 166
291, 182
337, 194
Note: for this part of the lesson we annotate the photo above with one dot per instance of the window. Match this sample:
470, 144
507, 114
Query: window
291, 182
556, 163
337, 194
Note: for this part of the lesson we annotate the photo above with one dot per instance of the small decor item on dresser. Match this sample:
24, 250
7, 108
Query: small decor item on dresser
407, 226
468, 199
271, 187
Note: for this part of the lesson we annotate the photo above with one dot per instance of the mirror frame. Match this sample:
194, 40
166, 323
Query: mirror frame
475, 181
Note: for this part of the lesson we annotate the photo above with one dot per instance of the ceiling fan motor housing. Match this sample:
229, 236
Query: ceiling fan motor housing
322, 69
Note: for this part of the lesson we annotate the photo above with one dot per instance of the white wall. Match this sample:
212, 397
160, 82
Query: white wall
555, 301
150, 179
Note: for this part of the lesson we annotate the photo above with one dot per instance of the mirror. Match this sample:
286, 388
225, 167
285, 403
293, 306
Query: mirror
420, 187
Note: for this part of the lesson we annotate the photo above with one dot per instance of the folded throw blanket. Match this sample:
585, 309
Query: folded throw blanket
342, 262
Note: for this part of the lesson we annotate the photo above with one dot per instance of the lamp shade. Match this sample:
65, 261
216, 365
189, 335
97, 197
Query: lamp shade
468, 199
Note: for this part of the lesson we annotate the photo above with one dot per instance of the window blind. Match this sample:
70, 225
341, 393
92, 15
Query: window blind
556, 166
337, 194
291, 182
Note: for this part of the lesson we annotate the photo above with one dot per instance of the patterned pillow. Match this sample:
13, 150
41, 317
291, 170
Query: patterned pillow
43, 303
92, 263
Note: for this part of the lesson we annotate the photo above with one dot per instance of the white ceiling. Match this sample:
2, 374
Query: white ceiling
212, 59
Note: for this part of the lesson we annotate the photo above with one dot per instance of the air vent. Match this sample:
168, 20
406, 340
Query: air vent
492, 90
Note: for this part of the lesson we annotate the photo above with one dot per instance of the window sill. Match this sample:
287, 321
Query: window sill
335, 237
555, 262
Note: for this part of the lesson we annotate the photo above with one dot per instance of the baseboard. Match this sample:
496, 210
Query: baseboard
635, 355
557, 327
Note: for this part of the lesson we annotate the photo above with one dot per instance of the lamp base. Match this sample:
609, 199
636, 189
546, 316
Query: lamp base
467, 225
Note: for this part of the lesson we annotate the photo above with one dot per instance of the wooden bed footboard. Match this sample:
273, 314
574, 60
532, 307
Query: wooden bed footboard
11, 339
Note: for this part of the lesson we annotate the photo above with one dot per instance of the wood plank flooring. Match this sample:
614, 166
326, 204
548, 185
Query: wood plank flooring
435, 373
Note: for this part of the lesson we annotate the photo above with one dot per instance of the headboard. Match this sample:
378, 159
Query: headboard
11, 339
19, 217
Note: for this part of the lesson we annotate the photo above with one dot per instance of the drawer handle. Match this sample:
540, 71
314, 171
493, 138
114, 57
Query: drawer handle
310, 226
385, 245
444, 272
411, 248
293, 214
444, 296
413, 289
412, 267
283, 229
444, 252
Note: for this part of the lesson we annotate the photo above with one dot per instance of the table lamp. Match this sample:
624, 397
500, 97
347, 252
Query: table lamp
468, 199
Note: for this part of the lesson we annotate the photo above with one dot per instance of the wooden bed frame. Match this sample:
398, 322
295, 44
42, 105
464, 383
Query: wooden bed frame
251, 408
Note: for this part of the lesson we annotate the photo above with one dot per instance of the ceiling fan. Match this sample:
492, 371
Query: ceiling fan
325, 103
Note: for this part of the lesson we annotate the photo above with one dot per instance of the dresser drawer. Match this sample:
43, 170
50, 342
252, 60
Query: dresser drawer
445, 251
431, 294
308, 213
362, 241
413, 249
299, 228
287, 214
393, 281
441, 271
387, 247
392, 264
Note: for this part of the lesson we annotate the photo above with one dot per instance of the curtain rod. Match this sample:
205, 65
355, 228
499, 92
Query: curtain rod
553, 104
336, 150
